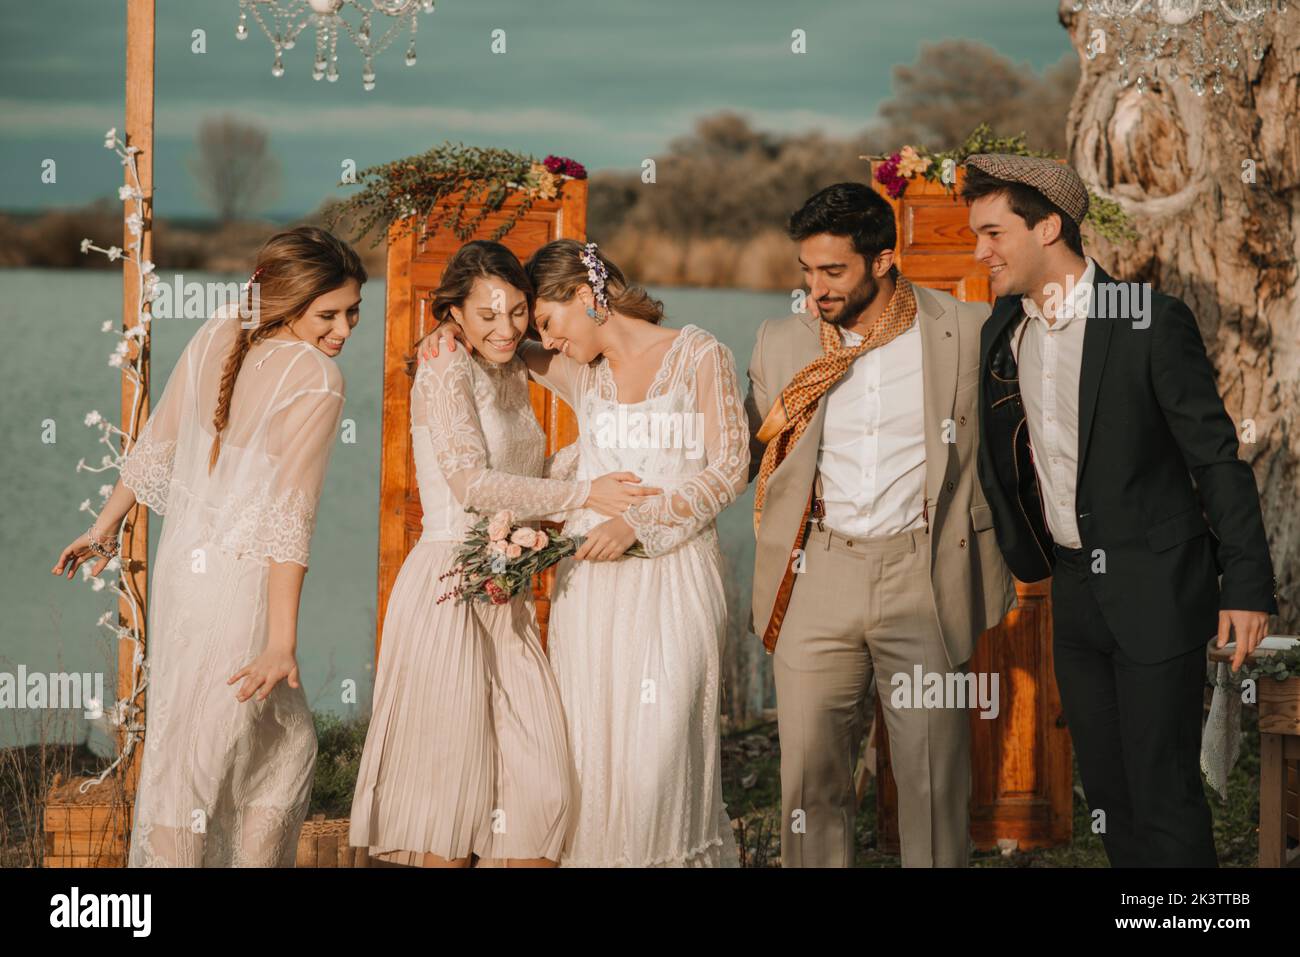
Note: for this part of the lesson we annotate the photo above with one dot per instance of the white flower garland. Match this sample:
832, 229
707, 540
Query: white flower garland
125, 714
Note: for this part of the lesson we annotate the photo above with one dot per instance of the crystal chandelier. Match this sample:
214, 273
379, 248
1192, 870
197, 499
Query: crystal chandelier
1195, 39
283, 20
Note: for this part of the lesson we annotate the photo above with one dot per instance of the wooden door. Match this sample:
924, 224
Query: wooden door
1022, 787
415, 267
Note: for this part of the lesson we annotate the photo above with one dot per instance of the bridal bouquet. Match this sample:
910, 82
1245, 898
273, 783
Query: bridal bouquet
499, 558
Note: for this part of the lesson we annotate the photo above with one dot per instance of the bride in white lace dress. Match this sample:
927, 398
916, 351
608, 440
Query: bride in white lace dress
467, 752
636, 643
234, 455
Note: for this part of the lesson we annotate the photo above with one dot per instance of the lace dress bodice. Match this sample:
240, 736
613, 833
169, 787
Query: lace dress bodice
479, 446
687, 436
260, 499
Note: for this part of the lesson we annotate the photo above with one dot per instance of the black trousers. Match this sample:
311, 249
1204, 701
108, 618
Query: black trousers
1136, 730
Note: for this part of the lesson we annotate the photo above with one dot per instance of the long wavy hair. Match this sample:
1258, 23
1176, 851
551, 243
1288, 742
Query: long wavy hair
557, 271
294, 268
477, 259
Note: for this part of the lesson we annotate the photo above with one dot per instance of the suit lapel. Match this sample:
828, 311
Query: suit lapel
1006, 311
1096, 341
940, 348
801, 460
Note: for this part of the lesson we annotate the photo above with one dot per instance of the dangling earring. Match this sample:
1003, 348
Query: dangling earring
600, 320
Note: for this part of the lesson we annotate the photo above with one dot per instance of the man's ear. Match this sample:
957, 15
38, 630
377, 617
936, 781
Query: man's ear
882, 263
1049, 229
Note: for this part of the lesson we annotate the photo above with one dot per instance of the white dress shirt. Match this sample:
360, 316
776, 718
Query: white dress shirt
1049, 358
872, 455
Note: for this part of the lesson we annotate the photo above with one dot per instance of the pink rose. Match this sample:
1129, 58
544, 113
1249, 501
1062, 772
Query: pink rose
498, 547
523, 537
514, 551
497, 531
540, 540
504, 516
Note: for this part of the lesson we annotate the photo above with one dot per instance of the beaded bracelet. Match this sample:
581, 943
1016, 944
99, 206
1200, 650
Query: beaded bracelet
103, 547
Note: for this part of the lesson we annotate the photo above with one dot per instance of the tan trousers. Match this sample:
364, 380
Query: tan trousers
862, 610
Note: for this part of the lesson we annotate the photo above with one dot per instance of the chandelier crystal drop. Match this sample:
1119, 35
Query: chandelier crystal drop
371, 25
1199, 40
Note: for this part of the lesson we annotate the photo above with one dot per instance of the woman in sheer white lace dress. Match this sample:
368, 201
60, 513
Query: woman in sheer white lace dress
636, 643
234, 456
467, 753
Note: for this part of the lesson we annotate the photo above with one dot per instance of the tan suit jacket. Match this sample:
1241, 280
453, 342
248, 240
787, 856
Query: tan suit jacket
970, 582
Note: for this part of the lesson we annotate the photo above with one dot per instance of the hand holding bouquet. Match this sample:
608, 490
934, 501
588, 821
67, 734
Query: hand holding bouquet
499, 558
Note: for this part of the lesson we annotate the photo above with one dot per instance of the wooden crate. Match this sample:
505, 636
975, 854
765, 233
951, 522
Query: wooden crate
1279, 713
324, 843
1279, 705
86, 830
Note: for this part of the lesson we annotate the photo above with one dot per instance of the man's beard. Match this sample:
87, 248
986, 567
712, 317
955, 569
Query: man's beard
857, 301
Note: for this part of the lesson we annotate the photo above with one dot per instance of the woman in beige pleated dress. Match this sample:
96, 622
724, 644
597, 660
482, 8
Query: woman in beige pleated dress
467, 753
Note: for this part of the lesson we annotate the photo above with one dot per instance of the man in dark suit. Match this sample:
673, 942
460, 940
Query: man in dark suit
1104, 451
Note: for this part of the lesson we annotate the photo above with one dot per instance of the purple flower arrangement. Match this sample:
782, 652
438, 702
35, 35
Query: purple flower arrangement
888, 176
563, 166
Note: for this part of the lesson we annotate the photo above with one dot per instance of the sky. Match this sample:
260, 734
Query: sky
606, 82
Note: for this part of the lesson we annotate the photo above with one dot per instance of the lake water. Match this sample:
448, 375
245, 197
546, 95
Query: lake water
53, 366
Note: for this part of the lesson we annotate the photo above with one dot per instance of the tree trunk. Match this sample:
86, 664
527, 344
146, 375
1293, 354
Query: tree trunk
1180, 165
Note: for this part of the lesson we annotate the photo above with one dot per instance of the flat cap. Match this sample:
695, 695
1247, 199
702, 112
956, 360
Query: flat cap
1057, 181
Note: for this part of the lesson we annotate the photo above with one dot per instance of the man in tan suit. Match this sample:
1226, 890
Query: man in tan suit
876, 558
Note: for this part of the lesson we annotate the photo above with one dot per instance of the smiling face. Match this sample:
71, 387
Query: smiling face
839, 280
566, 327
330, 318
1016, 253
493, 317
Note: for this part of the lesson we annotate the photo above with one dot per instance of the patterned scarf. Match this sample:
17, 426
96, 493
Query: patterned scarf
789, 417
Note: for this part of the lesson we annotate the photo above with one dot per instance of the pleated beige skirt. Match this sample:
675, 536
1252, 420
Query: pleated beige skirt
467, 751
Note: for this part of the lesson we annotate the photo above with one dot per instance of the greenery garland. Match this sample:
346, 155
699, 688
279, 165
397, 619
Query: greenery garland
1105, 216
1280, 665
408, 191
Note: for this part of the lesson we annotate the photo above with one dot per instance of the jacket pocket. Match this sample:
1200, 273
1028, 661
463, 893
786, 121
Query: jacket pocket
1176, 529
981, 518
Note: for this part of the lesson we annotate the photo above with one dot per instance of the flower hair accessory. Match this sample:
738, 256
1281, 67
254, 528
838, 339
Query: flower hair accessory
597, 275
249, 315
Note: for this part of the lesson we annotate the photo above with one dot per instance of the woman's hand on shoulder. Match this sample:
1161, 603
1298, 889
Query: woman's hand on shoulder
445, 337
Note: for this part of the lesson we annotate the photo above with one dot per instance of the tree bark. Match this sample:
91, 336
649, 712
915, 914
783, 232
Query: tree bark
1179, 164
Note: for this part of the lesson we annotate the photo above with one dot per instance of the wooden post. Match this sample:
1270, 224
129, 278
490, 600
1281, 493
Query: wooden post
92, 828
135, 408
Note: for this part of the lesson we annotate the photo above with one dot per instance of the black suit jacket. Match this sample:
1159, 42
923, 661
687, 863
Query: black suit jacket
1158, 470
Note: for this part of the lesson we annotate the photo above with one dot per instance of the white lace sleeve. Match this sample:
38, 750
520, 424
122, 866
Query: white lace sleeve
277, 522
665, 521
147, 468
444, 386
563, 464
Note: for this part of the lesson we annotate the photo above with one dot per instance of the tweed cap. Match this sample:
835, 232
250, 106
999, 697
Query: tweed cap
1057, 181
